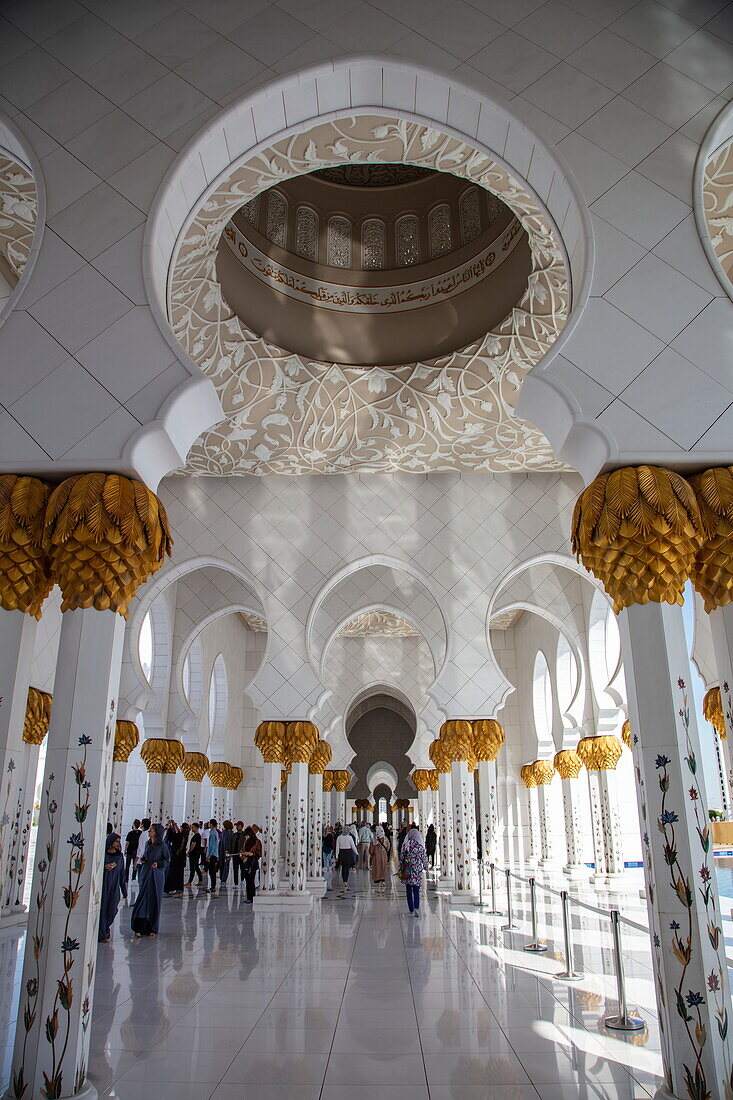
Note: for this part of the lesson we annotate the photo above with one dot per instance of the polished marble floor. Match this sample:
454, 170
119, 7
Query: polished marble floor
357, 995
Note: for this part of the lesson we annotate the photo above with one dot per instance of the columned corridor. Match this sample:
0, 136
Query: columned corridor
357, 996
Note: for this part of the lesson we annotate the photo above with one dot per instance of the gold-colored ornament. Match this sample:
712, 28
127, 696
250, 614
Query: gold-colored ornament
600, 754
341, 779
270, 740
25, 573
37, 716
301, 739
194, 766
568, 764
421, 779
712, 573
456, 737
235, 777
127, 738
218, 773
439, 756
434, 779
327, 781
162, 755
543, 771
712, 709
106, 535
638, 529
626, 733
528, 777
320, 757
487, 738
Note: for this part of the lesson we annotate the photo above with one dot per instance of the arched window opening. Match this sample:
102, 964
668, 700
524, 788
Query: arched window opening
373, 236
566, 671
439, 231
218, 701
277, 219
306, 234
407, 240
145, 647
470, 215
542, 698
186, 676
604, 644
339, 242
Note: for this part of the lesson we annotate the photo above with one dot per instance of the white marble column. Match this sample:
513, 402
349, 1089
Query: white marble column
684, 908
464, 830
316, 881
127, 737
13, 905
17, 640
488, 816
271, 803
533, 852
52, 1040
721, 625
447, 880
297, 825
600, 755
568, 765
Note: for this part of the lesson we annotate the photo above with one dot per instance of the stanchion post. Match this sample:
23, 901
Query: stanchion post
622, 1022
535, 946
480, 882
510, 926
569, 974
493, 912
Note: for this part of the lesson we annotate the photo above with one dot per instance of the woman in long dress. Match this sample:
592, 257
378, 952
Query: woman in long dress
177, 841
379, 851
413, 861
151, 876
114, 885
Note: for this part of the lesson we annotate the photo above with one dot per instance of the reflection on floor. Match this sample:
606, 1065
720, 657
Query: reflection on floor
231, 1005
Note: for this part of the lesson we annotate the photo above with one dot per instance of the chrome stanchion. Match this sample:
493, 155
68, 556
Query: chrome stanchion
493, 911
480, 882
569, 974
535, 946
510, 926
622, 1022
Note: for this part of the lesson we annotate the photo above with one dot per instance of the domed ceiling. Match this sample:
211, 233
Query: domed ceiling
368, 295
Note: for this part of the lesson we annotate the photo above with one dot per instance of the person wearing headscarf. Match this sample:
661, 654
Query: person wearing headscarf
251, 855
114, 884
413, 861
379, 853
431, 843
151, 876
212, 854
176, 840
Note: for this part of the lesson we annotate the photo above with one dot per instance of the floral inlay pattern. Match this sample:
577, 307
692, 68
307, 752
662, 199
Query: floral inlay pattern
287, 415
717, 193
18, 215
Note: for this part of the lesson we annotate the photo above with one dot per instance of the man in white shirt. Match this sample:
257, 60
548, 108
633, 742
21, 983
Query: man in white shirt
142, 841
365, 842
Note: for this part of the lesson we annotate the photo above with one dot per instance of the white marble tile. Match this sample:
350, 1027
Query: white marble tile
166, 105
111, 144
596, 170
96, 220
612, 60
461, 28
668, 94
708, 341
640, 209
220, 69
80, 308
625, 131
658, 297
68, 110
660, 29
123, 73
681, 400
610, 347
513, 61
557, 28
28, 353
705, 58
84, 42
271, 34
568, 94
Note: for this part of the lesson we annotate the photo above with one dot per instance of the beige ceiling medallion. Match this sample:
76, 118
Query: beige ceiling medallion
378, 624
18, 216
717, 192
287, 414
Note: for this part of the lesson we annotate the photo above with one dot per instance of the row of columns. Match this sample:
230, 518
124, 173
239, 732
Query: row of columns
98, 537
600, 755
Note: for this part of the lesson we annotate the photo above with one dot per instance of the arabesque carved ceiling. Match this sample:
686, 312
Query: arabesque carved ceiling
289, 415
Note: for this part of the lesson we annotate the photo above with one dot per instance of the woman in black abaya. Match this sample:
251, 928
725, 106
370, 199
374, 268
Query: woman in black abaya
113, 885
151, 876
